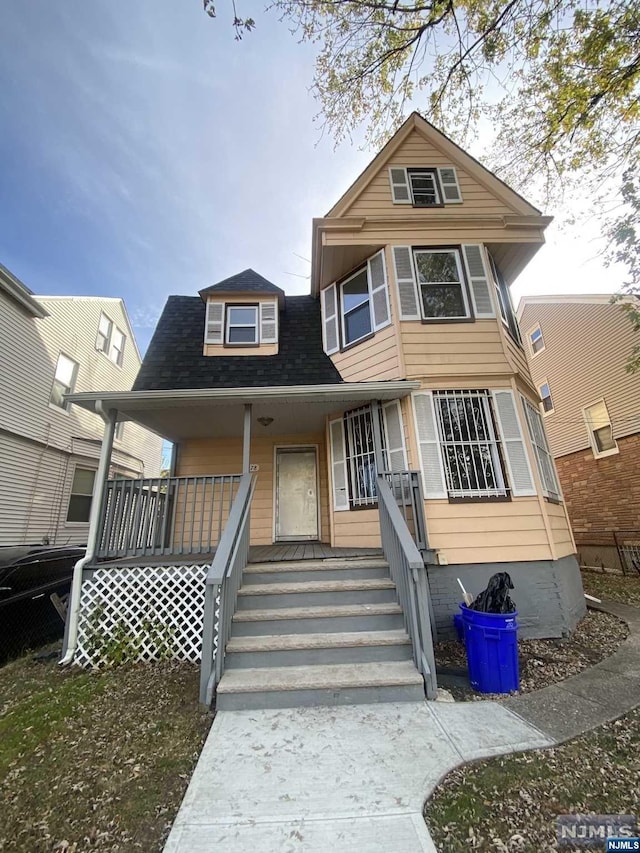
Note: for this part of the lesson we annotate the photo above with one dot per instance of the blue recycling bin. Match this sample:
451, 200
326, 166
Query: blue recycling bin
491, 643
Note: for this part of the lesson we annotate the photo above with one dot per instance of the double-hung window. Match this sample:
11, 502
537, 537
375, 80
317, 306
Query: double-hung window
110, 340
242, 325
361, 460
81, 495
599, 428
536, 341
544, 459
356, 307
470, 452
545, 396
64, 381
443, 293
503, 298
356, 311
425, 191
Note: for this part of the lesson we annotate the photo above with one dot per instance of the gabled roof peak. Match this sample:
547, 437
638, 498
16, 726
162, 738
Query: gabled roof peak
247, 281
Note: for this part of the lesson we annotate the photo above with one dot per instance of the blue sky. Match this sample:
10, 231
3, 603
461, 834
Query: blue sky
144, 152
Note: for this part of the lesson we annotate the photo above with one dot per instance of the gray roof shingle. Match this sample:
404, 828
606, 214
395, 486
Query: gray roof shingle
174, 359
247, 281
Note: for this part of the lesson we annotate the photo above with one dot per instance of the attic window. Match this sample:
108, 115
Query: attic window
242, 324
424, 187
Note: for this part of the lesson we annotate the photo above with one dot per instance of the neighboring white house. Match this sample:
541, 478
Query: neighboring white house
49, 346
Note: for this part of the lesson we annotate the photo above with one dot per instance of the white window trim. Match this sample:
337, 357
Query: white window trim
599, 454
502, 489
533, 329
417, 170
83, 467
66, 408
342, 312
543, 411
228, 325
463, 284
556, 494
107, 351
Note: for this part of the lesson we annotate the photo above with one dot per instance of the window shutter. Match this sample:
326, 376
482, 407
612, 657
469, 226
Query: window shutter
268, 322
515, 451
214, 323
479, 281
399, 180
394, 435
406, 282
429, 444
450, 187
546, 468
377, 275
330, 320
338, 465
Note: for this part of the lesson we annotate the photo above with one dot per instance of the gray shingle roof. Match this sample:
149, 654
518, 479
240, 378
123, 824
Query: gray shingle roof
174, 359
247, 281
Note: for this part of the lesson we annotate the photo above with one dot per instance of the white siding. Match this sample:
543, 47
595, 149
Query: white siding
41, 443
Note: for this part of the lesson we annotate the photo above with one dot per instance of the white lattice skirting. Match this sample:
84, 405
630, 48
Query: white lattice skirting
154, 611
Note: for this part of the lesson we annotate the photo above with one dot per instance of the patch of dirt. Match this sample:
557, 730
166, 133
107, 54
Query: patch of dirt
542, 662
95, 760
624, 588
511, 803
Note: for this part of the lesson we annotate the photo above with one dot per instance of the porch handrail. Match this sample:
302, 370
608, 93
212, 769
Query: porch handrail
223, 581
410, 577
164, 515
406, 487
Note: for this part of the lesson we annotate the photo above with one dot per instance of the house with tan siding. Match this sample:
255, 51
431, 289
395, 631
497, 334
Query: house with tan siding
342, 458
49, 449
577, 346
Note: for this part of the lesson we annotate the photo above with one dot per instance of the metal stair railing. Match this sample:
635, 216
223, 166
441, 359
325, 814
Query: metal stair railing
409, 574
222, 584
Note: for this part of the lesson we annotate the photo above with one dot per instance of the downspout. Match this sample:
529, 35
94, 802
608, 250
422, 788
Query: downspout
71, 628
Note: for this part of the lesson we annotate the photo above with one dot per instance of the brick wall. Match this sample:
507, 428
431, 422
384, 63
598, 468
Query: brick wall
602, 494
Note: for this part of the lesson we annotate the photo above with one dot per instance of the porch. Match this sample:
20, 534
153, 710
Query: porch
174, 562
278, 553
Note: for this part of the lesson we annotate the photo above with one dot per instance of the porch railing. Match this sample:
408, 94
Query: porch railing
221, 591
171, 515
406, 488
410, 577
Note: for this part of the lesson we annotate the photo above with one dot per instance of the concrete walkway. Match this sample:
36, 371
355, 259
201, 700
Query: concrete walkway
355, 778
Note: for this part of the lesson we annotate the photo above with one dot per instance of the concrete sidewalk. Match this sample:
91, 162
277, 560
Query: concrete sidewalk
352, 779
355, 778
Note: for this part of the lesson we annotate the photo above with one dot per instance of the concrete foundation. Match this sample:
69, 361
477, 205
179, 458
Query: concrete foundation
548, 594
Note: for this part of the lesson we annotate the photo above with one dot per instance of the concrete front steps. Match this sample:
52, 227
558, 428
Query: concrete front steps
317, 632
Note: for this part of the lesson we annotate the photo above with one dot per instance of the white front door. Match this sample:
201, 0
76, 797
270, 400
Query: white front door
296, 494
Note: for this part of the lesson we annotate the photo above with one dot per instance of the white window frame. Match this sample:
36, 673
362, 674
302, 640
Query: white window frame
530, 334
118, 433
433, 173
80, 494
70, 388
229, 325
104, 341
599, 454
544, 410
491, 443
542, 451
343, 313
463, 283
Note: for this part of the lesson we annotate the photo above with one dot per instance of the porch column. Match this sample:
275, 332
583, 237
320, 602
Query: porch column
102, 475
246, 439
70, 640
377, 436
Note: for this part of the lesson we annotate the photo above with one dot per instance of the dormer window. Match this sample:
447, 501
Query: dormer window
424, 186
242, 325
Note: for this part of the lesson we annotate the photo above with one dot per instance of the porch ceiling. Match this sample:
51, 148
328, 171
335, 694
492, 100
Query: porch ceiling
219, 412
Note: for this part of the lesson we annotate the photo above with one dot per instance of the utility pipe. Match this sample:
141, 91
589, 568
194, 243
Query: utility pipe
71, 629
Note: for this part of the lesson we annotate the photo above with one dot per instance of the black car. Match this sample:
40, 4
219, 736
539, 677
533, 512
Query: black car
29, 576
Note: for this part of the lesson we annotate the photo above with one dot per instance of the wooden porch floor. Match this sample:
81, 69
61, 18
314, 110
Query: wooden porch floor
257, 554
